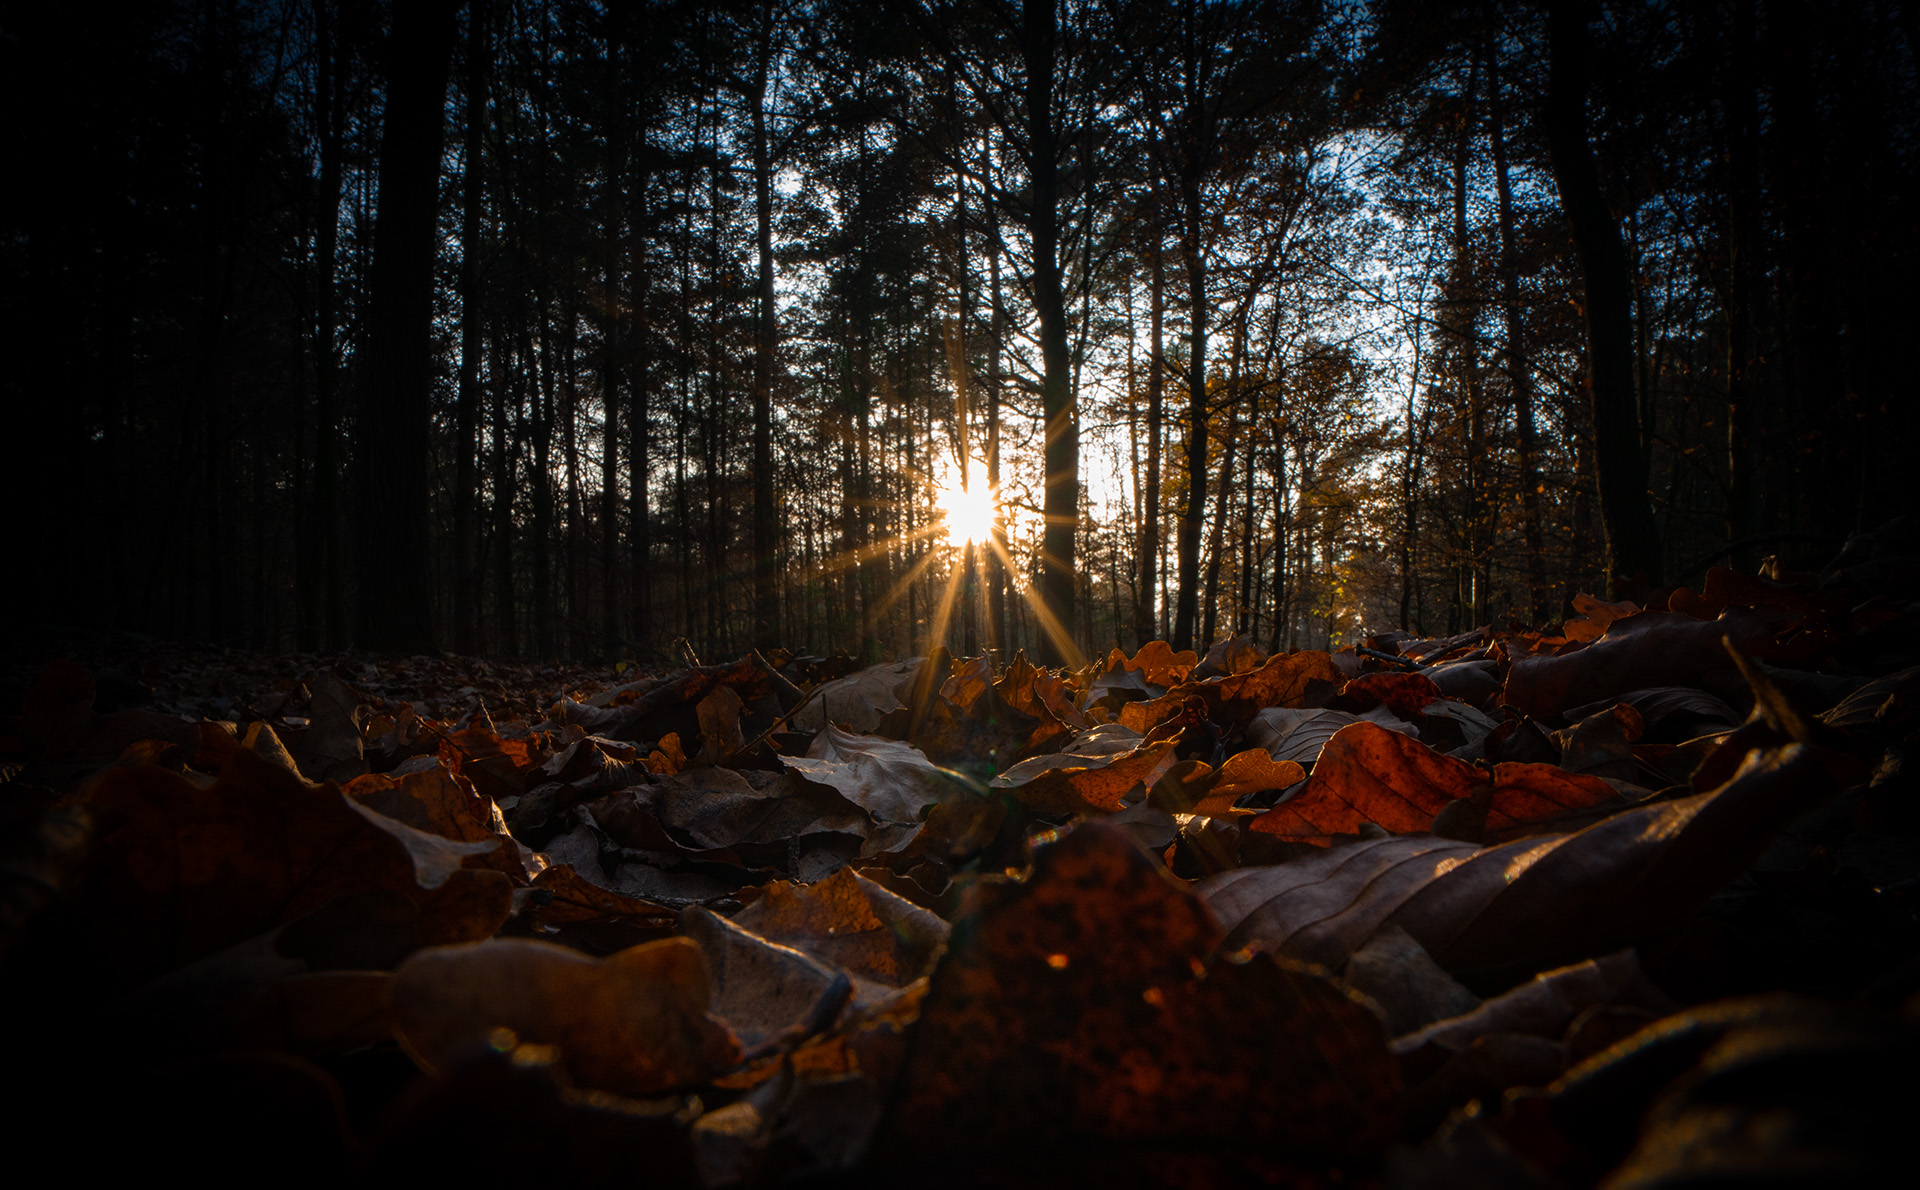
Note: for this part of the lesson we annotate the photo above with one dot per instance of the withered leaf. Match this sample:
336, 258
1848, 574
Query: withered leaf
439, 803
634, 1023
187, 871
1368, 774
1060, 785
871, 702
577, 899
848, 921
1298, 734
892, 781
1516, 907
1649, 649
768, 994
1078, 1010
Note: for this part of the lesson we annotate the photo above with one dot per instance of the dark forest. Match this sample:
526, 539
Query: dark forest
666, 488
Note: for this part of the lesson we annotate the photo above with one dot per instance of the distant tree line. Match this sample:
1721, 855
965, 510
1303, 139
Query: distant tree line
607, 331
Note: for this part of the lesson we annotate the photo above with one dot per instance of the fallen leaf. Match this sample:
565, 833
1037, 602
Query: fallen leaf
1060, 785
633, 1023
768, 994
1649, 649
1298, 734
892, 781
849, 922
1367, 774
871, 702
1079, 1011
1513, 908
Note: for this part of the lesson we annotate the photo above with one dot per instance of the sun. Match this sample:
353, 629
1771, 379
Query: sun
968, 511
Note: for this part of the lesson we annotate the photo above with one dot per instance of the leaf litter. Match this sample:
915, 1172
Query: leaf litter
1548, 907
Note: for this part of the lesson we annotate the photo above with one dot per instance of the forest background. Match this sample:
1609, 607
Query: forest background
638, 330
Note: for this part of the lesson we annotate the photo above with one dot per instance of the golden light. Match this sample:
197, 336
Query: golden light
968, 511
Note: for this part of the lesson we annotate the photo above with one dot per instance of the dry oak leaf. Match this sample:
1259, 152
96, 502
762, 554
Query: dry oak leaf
1405, 695
498, 768
634, 1023
1369, 774
439, 803
1161, 666
1251, 771
1649, 649
769, 995
577, 899
849, 922
1062, 784
1078, 1009
1593, 617
1305, 678
871, 702
892, 781
1507, 910
1299, 734
185, 871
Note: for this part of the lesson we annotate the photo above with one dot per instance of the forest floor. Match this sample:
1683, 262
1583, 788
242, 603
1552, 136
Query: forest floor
1626, 899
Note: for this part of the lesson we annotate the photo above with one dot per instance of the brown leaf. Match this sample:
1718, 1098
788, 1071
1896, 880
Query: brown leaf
848, 921
892, 781
577, 899
439, 803
1406, 695
1251, 771
1080, 1011
720, 734
871, 702
332, 747
498, 768
1299, 734
716, 808
1649, 649
1368, 774
1507, 909
1594, 616
1401, 978
633, 1023
1235, 655
186, 871
1161, 666
1060, 785
767, 994
1546, 1004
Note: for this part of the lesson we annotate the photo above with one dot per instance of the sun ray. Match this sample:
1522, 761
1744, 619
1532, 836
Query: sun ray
1049, 623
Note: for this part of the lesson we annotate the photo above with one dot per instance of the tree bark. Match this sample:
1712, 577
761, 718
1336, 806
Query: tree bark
1062, 452
1519, 367
466, 617
1620, 470
766, 608
396, 612
1145, 627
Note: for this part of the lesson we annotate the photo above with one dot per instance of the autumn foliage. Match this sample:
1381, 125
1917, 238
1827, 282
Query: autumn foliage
1600, 903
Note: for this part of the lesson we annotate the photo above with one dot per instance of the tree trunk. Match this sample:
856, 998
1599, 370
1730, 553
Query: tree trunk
466, 613
1145, 626
1519, 367
1195, 511
1062, 452
766, 609
1620, 470
393, 576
